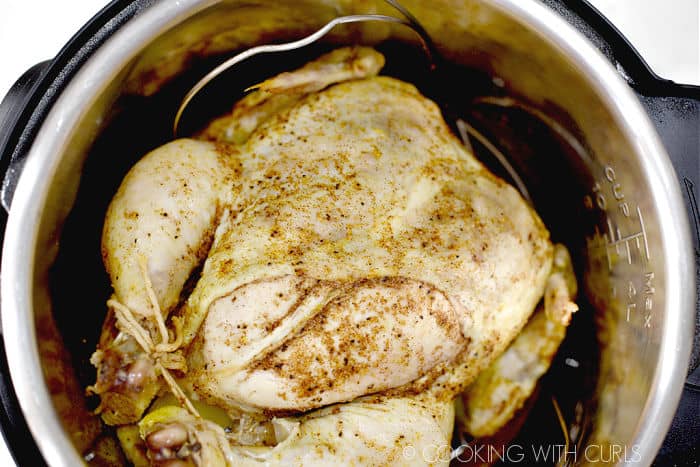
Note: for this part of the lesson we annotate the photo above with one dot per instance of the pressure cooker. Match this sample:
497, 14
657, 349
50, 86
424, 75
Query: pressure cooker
609, 151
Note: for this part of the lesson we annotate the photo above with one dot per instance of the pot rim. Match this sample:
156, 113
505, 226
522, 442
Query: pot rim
18, 262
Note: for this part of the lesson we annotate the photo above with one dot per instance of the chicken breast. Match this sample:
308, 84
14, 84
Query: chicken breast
326, 342
364, 267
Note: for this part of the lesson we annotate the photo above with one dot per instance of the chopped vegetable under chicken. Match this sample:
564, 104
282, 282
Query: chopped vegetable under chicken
360, 269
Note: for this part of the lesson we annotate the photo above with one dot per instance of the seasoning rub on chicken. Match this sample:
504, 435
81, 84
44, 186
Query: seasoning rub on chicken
359, 269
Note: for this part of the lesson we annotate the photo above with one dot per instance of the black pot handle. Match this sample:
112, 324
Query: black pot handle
13, 102
14, 110
614, 45
674, 109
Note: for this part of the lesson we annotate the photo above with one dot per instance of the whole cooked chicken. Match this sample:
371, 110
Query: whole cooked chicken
314, 279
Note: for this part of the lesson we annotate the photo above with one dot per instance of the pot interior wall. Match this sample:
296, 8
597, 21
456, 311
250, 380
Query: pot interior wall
585, 163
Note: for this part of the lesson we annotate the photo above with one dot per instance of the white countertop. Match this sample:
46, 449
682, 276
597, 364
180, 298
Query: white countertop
666, 32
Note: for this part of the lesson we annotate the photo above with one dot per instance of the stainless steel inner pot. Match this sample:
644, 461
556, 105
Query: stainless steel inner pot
631, 242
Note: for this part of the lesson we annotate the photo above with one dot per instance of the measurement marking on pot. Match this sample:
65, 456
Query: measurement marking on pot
622, 245
616, 245
647, 298
617, 240
626, 241
616, 190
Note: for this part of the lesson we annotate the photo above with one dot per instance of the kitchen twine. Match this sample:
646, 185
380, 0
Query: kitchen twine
166, 353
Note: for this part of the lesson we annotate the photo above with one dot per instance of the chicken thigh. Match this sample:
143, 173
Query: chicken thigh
358, 260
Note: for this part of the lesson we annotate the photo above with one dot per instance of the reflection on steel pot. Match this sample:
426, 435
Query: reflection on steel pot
527, 86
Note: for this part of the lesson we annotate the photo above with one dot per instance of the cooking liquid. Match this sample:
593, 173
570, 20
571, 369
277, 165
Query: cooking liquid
546, 163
